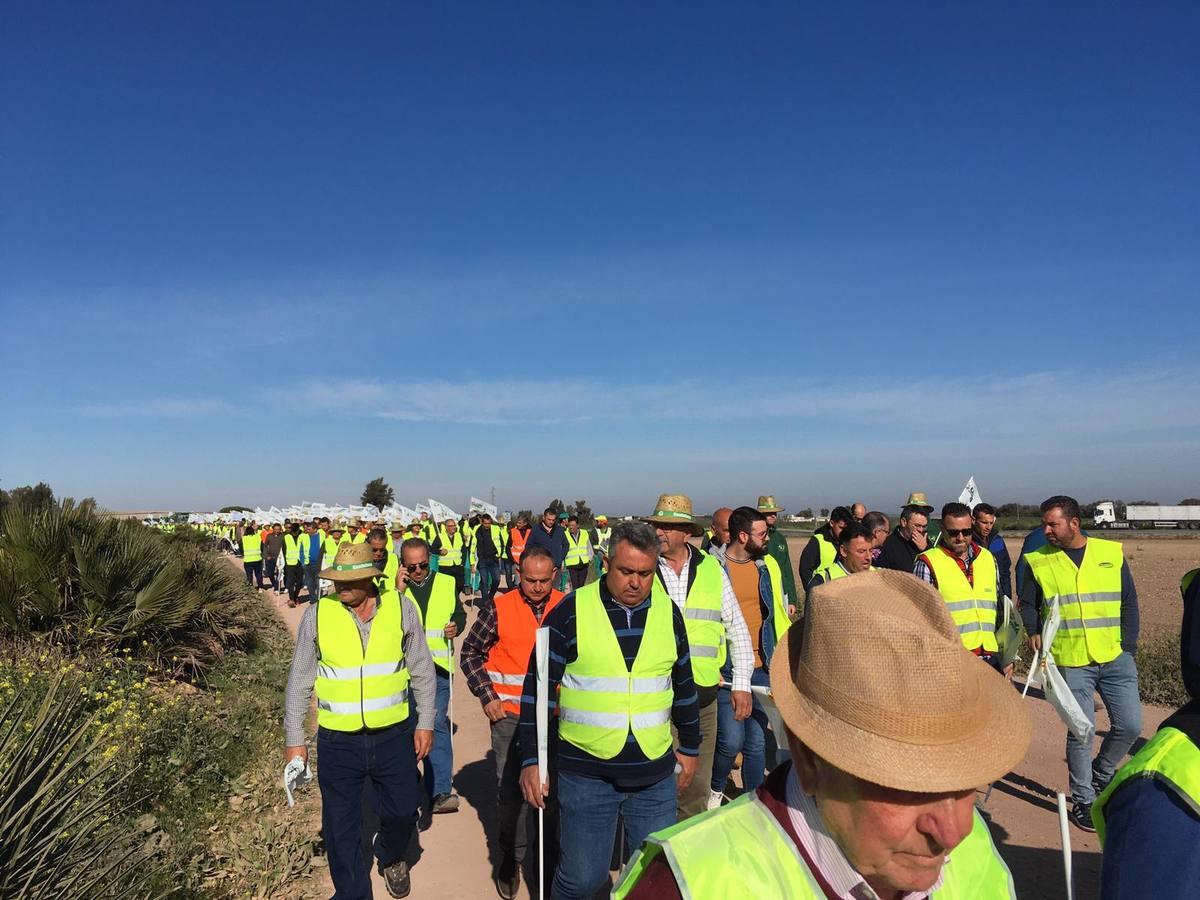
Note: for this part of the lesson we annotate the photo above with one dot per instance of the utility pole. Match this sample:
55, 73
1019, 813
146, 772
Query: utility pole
493, 500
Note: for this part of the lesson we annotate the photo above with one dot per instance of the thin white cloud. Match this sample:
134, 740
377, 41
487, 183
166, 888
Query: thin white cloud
162, 408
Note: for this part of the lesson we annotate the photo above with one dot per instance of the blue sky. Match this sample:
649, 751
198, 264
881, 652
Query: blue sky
254, 254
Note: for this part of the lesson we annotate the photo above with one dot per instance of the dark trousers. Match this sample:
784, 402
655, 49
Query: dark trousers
455, 572
489, 578
517, 838
506, 569
293, 578
578, 575
312, 580
272, 572
386, 760
255, 569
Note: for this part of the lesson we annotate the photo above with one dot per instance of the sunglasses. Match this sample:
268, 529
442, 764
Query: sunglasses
413, 567
956, 532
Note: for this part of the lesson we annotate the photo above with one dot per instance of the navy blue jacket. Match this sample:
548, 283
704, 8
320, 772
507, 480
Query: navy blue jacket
555, 541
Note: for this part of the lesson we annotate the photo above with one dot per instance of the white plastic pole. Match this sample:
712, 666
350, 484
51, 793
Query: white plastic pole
542, 657
450, 704
1064, 831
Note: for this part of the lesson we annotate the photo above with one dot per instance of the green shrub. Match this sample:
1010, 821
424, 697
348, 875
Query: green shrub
102, 585
1160, 679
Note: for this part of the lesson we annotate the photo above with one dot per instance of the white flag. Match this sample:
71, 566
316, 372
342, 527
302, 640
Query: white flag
970, 494
441, 511
479, 506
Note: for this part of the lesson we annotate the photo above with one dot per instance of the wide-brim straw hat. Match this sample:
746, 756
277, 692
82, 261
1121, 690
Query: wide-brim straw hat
878, 684
675, 509
917, 500
767, 504
353, 562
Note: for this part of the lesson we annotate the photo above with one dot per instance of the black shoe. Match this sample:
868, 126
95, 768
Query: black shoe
1098, 786
445, 803
397, 879
507, 879
1081, 817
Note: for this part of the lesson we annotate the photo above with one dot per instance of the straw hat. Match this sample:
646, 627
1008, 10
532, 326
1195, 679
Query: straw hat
601, 518
353, 562
917, 500
675, 509
877, 683
767, 504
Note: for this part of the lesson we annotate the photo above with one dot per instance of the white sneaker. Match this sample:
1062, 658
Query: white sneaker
715, 799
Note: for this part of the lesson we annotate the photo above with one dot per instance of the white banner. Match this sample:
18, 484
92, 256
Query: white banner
479, 506
441, 511
970, 494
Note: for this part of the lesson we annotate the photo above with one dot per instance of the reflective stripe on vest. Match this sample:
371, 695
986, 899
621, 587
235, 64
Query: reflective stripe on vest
516, 633
600, 699
387, 581
579, 550
603, 535
329, 549
782, 621
1171, 759
453, 545
702, 619
516, 543
741, 850
1088, 597
436, 617
251, 548
357, 690
973, 608
291, 549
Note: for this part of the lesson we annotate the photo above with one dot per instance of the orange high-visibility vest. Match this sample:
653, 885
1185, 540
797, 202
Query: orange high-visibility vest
508, 660
516, 543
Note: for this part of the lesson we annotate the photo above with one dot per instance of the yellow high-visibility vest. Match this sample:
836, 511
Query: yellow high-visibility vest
601, 700
702, 619
453, 545
1088, 596
251, 548
436, 617
291, 549
579, 550
357, 689
973, 608
1171, 759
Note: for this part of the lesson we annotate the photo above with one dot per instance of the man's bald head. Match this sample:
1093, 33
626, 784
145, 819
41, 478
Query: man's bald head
720, 526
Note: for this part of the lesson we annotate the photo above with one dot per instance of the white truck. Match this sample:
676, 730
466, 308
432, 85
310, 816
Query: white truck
1147, 516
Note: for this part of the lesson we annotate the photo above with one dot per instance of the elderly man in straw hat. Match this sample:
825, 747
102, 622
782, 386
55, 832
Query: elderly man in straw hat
777, 549
910, 538
364, 650
716, 629
891, 724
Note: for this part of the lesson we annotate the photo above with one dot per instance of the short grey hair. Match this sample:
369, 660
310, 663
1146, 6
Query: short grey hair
640, 534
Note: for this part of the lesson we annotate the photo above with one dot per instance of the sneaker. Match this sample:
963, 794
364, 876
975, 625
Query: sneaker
445, 803
1081, 817
1098, 786
715, 799
507, 878
397, 879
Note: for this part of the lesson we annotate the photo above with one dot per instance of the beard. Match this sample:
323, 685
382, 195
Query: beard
756, 551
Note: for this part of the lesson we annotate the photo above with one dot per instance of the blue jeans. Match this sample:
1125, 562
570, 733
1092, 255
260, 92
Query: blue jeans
347, 762
588, 811
748, 737
439, 764
1118, 686
312, 580
489, 580
506, 569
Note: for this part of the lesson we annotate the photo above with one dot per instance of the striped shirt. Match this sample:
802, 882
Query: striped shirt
630, 768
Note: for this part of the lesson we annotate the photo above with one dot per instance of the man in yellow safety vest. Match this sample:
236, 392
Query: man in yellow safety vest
1089, 582
364, 651
878, 798
853, 556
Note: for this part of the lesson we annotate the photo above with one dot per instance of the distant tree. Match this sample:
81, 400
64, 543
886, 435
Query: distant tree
1143, 503
229, 509
824, 513
35, 497
377, 493
1189, 501
557, 505
805, 513
581, 509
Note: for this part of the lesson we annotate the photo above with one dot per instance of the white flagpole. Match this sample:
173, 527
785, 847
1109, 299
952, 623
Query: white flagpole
450, 705
1065, 833
542, 657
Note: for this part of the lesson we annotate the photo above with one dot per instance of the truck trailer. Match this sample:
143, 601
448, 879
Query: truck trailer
1147, 516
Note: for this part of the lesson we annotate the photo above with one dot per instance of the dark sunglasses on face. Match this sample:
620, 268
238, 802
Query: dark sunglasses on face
412, 567
959, 532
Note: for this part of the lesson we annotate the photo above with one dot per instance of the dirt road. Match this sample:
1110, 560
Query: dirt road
454, 863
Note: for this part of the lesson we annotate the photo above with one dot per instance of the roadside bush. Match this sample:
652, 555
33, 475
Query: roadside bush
1160, 679
103, 586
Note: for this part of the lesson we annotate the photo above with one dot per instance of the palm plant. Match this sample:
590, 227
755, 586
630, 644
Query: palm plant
59, 838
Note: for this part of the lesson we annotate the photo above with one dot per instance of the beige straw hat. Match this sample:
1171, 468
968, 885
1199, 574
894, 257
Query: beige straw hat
675, 509
353, 562
879, 684
917, 500
767, 504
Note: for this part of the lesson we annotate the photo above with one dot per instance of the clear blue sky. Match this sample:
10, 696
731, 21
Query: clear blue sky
261, 255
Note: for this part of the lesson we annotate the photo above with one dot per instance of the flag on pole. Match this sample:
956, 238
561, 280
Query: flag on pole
970, 494
479, 506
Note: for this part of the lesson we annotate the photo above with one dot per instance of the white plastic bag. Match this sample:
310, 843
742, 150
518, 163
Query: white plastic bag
296, 774
1009, 634
1055, 687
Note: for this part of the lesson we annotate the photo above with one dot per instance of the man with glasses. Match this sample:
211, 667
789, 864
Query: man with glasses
966, 576
880, 526
443, 618
900, 550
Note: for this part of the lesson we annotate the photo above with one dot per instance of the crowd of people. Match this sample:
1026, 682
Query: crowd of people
862, 690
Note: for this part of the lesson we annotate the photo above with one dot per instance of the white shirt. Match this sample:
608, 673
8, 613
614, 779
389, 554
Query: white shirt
826, 855
741, 651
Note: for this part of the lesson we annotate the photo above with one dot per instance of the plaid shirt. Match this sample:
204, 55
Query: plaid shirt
478, 643
922, 570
